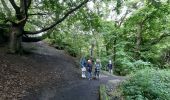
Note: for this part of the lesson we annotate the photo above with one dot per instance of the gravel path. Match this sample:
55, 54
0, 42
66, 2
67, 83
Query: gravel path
48, 74
82, 89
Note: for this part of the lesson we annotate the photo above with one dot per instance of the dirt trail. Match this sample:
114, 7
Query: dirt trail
47, 74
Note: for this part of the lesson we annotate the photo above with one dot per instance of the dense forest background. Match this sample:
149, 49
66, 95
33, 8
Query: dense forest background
134, 34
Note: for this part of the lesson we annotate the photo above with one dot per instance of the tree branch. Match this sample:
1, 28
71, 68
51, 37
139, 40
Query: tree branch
8, 20
23, 7
37, 14
16, 22
22, 20
30, 38
123, 18
60, 20
29, 3
14, 5
150, 16
23, 14
25, 38
159, 39
153, 42
6, 8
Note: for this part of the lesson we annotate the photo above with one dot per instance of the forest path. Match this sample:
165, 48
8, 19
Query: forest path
48, 74
74, 89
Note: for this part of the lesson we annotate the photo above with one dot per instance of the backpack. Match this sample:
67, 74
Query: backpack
97, 68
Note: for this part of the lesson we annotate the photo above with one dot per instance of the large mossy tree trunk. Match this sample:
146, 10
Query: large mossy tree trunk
21, 8
15, 39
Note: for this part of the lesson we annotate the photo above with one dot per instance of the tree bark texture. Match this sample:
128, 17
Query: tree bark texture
17, 28
15, 40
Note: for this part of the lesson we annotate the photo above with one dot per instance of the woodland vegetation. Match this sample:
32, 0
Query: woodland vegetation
134, 34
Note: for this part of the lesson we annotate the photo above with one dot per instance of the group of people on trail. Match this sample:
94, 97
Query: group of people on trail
87, 68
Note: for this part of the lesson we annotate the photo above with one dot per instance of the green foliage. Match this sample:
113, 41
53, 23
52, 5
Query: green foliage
103, 95
126, 65
154, 22
72, 51
2, 17
111, 40
165, 57
147, 84
76, 33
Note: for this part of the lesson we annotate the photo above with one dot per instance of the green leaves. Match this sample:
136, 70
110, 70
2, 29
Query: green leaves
75, 33
155, 3
118, 5
147, 84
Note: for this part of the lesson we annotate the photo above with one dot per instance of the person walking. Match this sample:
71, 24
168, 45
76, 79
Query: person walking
83, 67
89, 69
97, 68
110, 66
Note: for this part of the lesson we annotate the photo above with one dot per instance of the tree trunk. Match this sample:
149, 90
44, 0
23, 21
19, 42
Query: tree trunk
138, 43
15, 40
114, 51
107, 49
98, 49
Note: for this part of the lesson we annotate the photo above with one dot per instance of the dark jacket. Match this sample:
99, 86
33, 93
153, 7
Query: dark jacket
109, 66
89, 67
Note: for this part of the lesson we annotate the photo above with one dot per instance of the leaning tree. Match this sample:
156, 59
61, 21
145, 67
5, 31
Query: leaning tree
18, 13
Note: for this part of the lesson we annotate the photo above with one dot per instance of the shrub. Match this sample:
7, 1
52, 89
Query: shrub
102, 92
125, 66
72, 51
147, 84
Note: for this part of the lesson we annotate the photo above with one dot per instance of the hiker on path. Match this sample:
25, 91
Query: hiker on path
110, 66
89, 69
97, 68
83, 67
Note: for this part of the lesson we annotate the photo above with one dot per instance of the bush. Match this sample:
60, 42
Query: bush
72, 51
104, 62
102, 92
147, 84
124, 66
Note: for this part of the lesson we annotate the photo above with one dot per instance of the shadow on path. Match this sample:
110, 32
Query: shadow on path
71, 86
